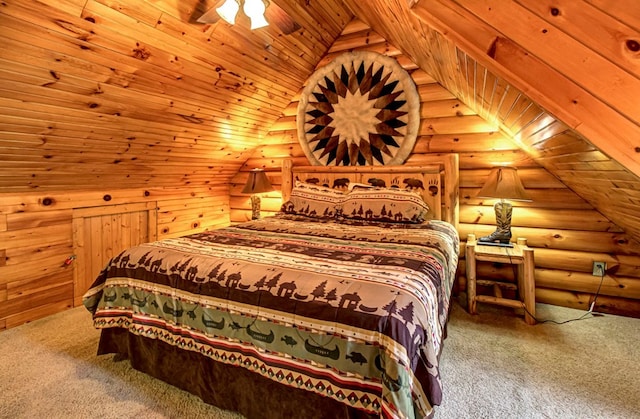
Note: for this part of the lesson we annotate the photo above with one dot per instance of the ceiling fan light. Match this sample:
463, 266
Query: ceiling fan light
255, 10
228, 11
258, 22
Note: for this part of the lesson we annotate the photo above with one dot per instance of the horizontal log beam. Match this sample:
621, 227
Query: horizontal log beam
588, 241
568, 219
540, 80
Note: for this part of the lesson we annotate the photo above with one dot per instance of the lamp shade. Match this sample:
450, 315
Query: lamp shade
258, 182
228, 11
504, 183
255, 10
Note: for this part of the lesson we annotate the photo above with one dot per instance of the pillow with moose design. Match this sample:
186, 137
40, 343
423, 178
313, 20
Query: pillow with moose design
313, 200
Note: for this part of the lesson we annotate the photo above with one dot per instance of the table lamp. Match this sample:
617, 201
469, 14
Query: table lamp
257, 183
503, 183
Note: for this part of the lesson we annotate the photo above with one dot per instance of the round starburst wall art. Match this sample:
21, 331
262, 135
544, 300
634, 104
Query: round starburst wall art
361, 109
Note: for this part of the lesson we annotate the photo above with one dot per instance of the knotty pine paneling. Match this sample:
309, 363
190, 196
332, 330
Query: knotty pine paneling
138, 94
567, 232
38, 233
177, 217
103, 232
33, 276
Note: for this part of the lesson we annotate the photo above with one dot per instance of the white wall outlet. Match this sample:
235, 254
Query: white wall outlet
599, 268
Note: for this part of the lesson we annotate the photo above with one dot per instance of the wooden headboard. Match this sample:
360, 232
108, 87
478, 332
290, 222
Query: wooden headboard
438, 180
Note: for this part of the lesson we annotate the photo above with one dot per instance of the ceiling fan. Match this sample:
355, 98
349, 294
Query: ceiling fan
261, 13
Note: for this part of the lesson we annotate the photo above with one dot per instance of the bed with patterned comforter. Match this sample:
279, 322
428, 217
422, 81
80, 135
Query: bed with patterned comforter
351, 311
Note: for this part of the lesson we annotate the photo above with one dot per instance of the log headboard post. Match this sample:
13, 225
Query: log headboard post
452, 189
287, 179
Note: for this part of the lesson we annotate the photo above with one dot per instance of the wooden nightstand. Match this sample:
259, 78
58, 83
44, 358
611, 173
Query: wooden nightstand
522, 256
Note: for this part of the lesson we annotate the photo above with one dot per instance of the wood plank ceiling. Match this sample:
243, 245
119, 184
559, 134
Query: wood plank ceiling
136, 93
561, 77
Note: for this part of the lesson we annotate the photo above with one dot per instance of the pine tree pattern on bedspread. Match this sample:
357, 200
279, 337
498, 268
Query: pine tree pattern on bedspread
353, 311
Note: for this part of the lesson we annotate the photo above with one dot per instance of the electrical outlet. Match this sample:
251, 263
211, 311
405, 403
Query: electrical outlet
599, 268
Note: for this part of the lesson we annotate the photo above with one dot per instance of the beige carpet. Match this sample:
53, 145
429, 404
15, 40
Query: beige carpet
496, 366
493, 366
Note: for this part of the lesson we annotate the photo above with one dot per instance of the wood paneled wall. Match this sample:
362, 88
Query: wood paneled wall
37, 276
568, 234
108, 105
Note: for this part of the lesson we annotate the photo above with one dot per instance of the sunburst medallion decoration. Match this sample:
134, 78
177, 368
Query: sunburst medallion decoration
361, 109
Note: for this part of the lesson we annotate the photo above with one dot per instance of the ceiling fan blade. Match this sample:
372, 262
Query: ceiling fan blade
210, 16
277, 16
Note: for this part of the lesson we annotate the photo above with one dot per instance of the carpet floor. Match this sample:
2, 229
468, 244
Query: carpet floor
493, 365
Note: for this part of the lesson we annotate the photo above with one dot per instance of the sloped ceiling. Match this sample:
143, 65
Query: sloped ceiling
562, 78
136, 93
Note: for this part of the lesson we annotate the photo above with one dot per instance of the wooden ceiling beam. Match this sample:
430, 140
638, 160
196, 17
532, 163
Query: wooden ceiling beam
605, 127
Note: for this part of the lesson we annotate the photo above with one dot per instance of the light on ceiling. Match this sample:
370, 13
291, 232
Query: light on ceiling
228, 11
254, 9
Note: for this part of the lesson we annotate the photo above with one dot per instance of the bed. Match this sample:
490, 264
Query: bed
302, 314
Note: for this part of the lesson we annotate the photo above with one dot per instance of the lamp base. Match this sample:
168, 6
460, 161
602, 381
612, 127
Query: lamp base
502, 234
255, 207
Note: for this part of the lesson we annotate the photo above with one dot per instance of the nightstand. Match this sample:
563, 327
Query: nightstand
522, 256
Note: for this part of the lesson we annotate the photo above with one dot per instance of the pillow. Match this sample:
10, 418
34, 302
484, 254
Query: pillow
354, 185
313, 201
388, 205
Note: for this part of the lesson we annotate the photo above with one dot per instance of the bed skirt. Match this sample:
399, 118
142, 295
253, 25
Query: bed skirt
226, 386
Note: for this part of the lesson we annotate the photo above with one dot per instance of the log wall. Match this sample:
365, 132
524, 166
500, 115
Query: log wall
557, 76
567, 233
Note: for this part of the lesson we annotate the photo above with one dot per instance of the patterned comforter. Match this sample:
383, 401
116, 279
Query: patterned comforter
352, 311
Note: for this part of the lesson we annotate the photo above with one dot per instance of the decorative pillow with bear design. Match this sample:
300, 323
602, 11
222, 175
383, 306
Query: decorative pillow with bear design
387, 205
313, 201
